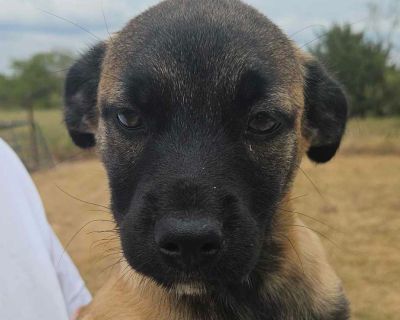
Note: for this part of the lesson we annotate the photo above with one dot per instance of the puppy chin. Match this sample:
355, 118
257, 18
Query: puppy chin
188, 289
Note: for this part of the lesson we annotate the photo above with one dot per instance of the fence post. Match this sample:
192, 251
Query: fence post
33, 135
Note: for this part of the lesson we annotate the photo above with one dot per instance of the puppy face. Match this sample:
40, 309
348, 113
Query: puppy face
201, 111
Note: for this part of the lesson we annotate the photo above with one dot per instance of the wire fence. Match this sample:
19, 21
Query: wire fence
28, 142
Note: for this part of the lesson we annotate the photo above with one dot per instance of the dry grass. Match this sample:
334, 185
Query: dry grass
372, 136
360, 201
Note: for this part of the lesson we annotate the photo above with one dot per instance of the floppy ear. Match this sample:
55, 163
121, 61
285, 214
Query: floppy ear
81, 85
325, 112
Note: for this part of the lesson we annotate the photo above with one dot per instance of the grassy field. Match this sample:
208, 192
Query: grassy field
372, 136
357, 197
52, 127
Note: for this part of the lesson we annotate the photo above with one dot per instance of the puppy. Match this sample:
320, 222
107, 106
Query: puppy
201, 111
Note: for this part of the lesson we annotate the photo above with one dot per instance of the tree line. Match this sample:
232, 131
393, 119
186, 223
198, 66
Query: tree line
36, 82
365, 65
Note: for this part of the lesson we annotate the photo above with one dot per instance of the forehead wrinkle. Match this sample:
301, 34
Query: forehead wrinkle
225, 69
285, 92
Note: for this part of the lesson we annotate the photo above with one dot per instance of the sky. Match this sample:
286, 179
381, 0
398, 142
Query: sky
29, 26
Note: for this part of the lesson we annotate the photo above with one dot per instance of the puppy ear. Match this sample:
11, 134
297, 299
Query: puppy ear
80, 97
325, 112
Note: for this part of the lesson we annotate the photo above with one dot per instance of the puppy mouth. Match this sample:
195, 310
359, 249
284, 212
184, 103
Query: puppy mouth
199, 284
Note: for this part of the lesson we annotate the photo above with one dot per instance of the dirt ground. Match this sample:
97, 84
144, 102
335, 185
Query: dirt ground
356, 196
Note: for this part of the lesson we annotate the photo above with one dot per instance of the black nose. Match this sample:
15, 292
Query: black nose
189, 241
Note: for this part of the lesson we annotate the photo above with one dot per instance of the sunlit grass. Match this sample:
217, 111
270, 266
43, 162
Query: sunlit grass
52, 127
372, 136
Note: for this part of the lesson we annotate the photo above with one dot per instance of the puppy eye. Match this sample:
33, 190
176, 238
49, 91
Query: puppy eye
264, 124
129, 119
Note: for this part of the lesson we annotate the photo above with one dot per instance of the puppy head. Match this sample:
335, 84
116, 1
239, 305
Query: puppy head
201, 111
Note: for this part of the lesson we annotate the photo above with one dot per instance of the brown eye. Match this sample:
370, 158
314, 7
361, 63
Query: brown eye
129, 119
262, 123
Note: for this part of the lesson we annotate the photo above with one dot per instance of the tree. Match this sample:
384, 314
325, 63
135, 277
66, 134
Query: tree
38, 81
361, 65
5, 87
391, 104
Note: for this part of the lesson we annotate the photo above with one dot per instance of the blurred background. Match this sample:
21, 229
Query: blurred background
353, 202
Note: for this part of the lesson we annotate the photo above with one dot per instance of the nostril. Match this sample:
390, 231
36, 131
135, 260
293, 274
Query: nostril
188, 240
170, 248
209, 248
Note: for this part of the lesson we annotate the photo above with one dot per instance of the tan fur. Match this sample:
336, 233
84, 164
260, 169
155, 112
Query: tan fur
129, 296
305, 258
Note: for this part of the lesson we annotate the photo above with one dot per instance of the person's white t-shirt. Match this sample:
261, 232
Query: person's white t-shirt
34, 283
